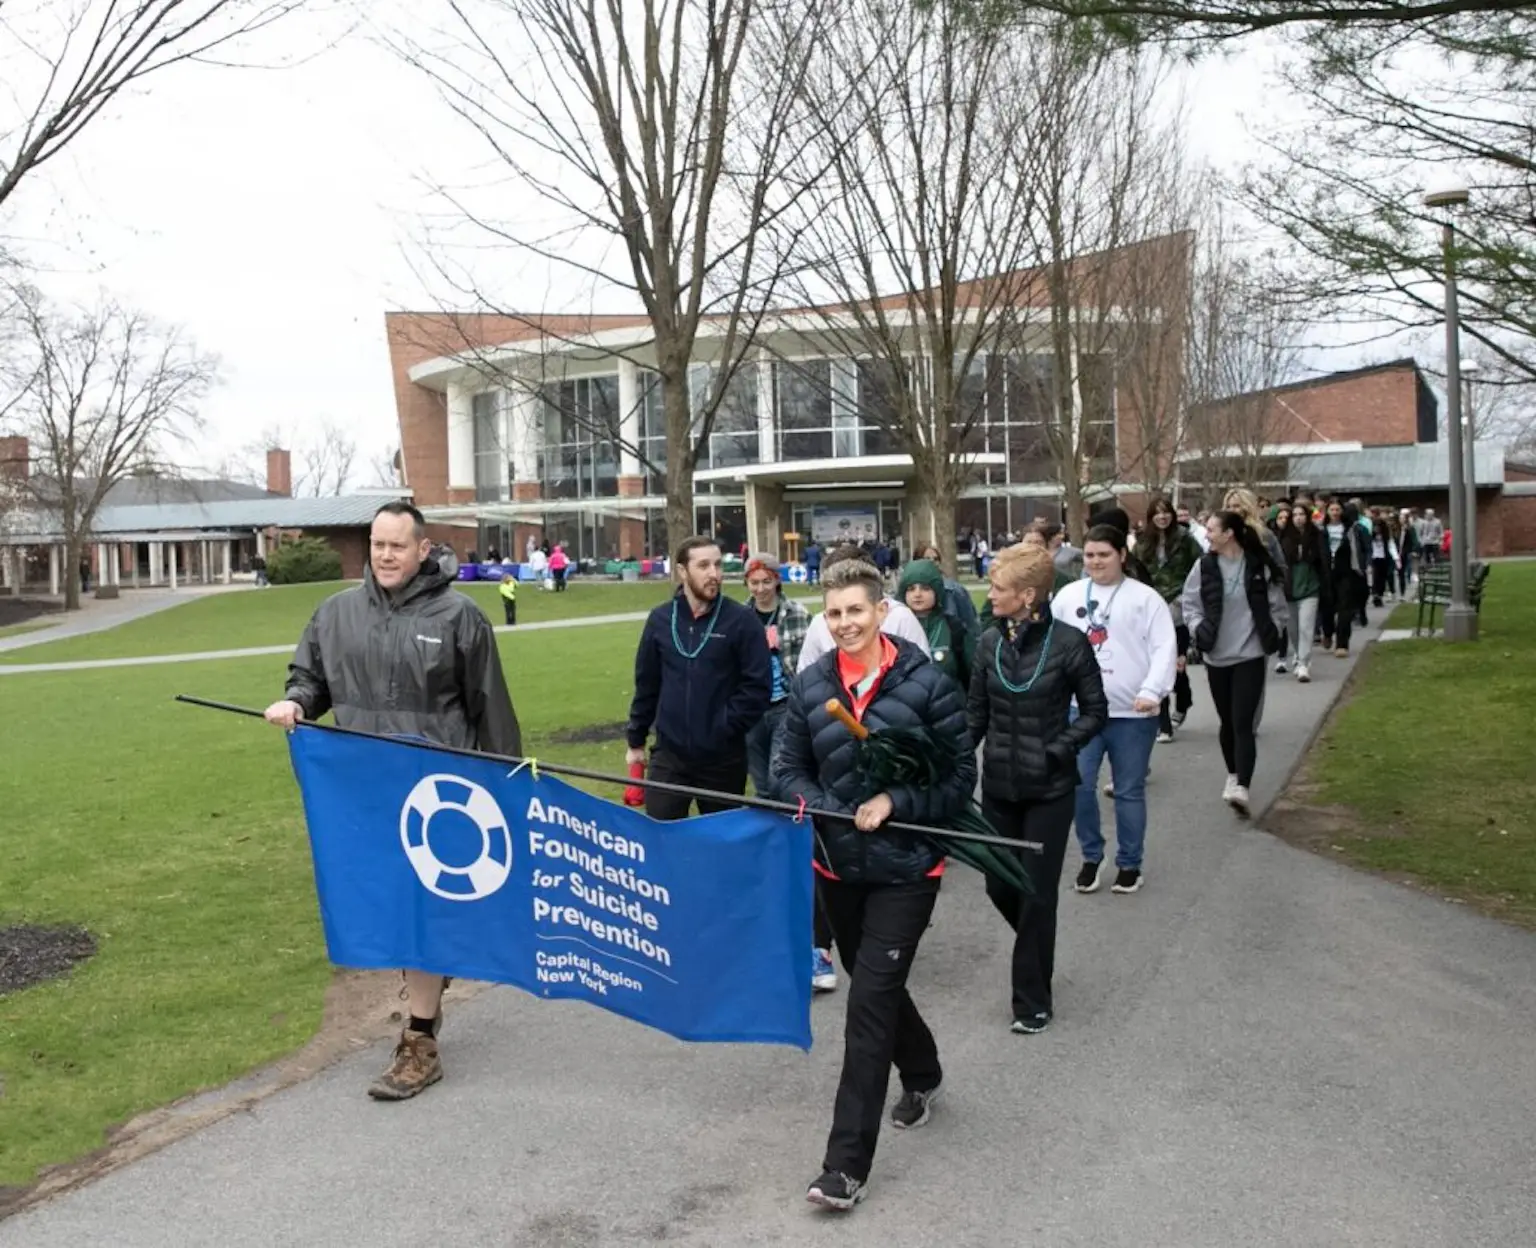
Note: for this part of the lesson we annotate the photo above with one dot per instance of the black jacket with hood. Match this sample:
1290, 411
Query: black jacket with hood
421, 662
814, 758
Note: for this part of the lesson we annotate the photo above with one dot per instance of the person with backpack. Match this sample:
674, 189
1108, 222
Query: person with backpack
1234, 603
1168, 552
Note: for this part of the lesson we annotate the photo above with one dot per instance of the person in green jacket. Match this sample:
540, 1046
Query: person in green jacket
949, 641
1168, 551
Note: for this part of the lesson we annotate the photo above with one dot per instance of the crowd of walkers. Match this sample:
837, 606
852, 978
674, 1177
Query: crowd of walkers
1077, 657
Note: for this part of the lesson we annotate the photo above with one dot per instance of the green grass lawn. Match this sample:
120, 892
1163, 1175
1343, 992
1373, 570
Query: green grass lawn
1435, 756
31, 626
242, 619
175, 835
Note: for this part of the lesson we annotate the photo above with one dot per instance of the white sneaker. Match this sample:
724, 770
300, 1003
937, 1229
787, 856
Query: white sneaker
1239, 800
1229, 788
1109, 788
1303, 675
1163, 738
1280, 668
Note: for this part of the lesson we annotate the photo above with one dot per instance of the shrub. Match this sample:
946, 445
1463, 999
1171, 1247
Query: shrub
303, 561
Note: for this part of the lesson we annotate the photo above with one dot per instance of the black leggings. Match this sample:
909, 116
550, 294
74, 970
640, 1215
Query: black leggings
1238, 692
1183, 695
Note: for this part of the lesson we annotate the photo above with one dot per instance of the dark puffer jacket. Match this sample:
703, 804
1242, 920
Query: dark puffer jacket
421, 662
813, 758
1031, 742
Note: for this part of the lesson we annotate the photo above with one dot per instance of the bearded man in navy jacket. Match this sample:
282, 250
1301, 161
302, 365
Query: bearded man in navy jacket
702, 680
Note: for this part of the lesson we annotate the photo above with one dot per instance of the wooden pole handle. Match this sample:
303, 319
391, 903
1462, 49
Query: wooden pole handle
845, 717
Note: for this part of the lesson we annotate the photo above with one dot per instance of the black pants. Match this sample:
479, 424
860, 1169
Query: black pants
1238, 692
509, 609
1337, 614
725, 774
878, 927
821, 926
559, 575
1383, 573
1043, 828
1183, 695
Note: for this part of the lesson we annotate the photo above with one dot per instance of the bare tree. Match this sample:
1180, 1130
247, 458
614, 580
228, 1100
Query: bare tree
1110, 239
65, 61
1245, 341
100, 393
325, 457
384, 468
1393, 112
654, 133
909, 250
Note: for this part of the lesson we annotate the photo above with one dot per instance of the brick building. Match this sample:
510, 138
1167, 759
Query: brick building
550, 427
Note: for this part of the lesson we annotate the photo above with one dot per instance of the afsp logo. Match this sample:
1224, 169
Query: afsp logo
456, 798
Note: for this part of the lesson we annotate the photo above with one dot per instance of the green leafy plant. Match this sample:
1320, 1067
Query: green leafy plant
302, 562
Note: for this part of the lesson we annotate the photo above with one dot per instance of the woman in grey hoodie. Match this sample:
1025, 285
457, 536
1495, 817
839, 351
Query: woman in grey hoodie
1235, 610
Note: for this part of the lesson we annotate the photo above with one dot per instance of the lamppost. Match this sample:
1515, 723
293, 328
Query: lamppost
1469, 456
1460, 618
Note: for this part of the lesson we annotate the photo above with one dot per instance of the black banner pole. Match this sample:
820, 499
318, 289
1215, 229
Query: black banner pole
581, 773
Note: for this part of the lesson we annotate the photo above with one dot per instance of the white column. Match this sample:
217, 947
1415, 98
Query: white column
135, 559
101, 564
461, 436
115, 563
767, 450
156, 564
523, 431
229, 561
54, 563
171, 551
261, 542
629, 418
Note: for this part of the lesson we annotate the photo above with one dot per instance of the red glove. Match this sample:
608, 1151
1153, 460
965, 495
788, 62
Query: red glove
634, 794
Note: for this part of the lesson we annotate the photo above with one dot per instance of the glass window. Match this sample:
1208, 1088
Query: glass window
1096, 379
580, 430
803, 406
492, 477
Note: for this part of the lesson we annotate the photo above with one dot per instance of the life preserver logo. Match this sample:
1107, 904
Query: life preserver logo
464, 799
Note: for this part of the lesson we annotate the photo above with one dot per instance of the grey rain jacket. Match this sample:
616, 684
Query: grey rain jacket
421, 662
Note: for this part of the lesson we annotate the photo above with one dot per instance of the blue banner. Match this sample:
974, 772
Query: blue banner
438, 862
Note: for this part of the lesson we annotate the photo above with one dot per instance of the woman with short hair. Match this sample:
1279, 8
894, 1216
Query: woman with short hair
1028, 671
879, 887
1234, 601
1131, 631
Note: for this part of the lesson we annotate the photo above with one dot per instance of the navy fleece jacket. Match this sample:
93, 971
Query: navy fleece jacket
703, 707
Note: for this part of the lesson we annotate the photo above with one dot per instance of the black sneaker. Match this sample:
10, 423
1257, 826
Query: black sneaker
1088, 877
835, 1190
1030, 1024
914, 1108
1178, 718
1127, 880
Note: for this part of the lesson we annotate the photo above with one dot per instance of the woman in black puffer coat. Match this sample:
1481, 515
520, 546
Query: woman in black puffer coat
1024, 678
879, 887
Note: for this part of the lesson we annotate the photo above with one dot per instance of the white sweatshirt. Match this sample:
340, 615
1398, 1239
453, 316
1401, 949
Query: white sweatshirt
899, 622
1131, 629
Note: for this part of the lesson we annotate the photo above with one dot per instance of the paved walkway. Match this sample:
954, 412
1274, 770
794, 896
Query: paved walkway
251, 652
1261, 1048
98, 614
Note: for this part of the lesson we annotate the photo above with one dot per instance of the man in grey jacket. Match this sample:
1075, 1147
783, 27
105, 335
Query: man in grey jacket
404, 654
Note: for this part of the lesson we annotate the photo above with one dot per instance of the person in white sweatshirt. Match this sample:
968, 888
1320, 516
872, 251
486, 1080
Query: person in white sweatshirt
1131, 630
899, 619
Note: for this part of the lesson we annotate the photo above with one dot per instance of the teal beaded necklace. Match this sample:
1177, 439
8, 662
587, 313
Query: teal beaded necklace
1045, 650
709, 630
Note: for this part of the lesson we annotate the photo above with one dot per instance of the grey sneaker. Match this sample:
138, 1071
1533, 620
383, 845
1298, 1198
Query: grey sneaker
836, 1190
914, 1108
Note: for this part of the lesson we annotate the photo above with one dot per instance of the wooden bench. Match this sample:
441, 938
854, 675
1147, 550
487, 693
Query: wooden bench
1435, 591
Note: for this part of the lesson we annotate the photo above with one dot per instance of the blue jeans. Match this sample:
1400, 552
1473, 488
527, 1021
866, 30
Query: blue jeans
1129, 745
760, 746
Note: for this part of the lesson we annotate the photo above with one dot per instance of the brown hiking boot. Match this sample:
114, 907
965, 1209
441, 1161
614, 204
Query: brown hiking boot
415, 1068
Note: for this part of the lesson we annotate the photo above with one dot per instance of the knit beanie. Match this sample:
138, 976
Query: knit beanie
921, 572
763, 563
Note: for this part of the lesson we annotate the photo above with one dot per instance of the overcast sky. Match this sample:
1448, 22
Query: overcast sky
279, 213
